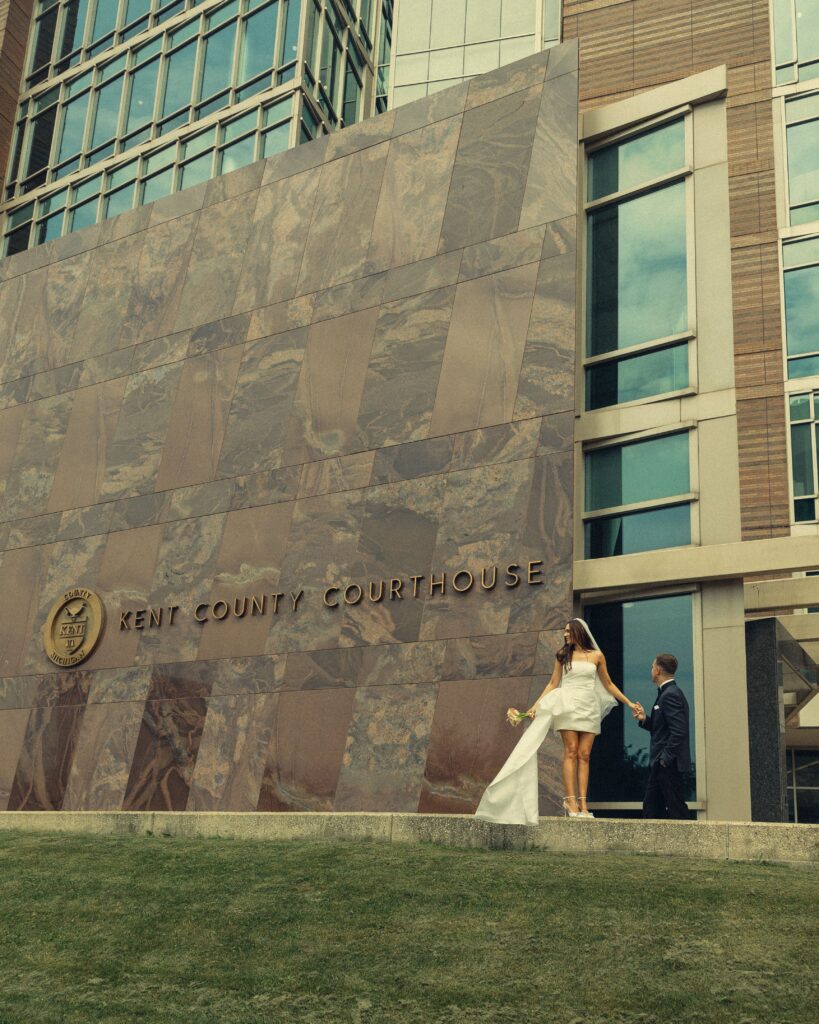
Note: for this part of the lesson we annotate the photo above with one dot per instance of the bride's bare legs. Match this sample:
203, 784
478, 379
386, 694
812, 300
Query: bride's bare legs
570, 750
584, 747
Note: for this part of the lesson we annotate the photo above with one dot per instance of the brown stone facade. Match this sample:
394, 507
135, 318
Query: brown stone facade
628, 46
318, 407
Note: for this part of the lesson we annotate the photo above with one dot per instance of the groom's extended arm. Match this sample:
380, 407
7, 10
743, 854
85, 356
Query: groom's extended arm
645, 721
675, 716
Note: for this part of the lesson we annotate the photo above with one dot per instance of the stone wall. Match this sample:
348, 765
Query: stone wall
351, 364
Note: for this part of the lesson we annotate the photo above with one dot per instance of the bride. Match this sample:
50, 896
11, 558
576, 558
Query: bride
578, 696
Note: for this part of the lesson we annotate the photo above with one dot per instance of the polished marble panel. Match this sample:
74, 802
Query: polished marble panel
289, 400
306, 749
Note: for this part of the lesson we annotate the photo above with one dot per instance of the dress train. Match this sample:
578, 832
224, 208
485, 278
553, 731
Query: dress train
511, 798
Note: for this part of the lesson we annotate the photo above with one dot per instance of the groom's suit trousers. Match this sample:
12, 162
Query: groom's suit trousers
665, 794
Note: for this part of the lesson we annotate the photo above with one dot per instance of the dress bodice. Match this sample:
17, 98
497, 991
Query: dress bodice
582, 673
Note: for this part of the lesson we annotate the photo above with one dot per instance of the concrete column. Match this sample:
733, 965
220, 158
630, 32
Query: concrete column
725, 703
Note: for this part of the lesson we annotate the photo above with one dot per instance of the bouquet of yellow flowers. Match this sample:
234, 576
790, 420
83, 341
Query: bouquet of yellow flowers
515, 717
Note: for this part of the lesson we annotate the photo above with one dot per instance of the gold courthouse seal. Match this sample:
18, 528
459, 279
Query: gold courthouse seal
74, 627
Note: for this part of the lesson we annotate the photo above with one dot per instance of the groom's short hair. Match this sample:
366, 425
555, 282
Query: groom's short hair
668, 663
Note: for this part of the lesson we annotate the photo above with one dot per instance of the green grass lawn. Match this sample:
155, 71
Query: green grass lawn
236, 932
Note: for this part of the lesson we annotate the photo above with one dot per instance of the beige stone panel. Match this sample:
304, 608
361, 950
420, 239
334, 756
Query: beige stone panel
342, 224
248, 565
484, 351
13, 723
275, 248
324, 417
710, 135
21, 576
198, 419
551, 186
103, 755
84, 457
215, 264
719, 511
231, 759
771, 595
724, 716
411, 206
124, 581
11, 422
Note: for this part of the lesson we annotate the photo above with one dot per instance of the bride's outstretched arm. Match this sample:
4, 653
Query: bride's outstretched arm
551, 685
605, 679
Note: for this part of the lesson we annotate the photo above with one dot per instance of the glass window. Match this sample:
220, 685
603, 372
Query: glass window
73, 26
42, 134
638, 471
73, 129
44, 38
638, 280
179, 79
276, 140
238, 154
105, 19
257, 42
637, 377
143, 91
627, 164
796, 40
157, 186
197, 171
218, 60
803, 165
626, 534
136, 9
290, 43
804, 413
119, 202
106, 113
801, 261
83, 216
631, 634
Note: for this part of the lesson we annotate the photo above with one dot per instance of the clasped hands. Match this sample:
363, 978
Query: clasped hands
638, 711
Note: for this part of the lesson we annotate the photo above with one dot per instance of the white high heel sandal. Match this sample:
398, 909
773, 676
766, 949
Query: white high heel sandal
570, 814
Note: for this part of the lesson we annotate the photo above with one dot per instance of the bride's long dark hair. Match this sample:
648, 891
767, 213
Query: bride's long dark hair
579, 639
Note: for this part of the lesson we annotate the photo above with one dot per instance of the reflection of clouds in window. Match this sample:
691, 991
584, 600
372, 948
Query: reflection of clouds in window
803, 162
638, 282
801, 303
653, 294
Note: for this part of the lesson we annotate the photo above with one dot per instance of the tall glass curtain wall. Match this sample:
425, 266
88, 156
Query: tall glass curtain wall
796, 53
637, 496
631, 633
441, 42
232, 66
637, 318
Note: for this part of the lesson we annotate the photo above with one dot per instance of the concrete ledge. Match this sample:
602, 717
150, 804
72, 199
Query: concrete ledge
710, 840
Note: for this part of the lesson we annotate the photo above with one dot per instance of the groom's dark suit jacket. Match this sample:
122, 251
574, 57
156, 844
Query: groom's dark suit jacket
668, 725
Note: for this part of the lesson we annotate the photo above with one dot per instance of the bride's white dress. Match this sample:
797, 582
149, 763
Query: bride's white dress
579, 703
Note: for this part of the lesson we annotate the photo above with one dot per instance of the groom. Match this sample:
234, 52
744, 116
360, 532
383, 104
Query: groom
669, 755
